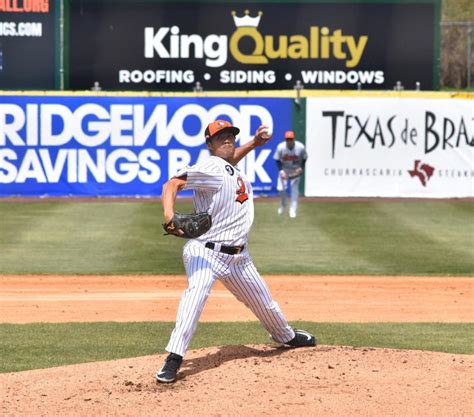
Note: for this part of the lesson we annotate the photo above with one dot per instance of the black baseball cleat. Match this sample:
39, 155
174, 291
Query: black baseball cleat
169, 370
302, 338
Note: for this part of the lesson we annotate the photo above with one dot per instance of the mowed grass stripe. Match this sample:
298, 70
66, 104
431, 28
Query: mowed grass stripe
375, 237
305, 244
370, 237
22, 225
146, 250
32, 346
68, 237
382, 233
448, 224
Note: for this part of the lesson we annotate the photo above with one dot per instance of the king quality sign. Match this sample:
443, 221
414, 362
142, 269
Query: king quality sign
252, 46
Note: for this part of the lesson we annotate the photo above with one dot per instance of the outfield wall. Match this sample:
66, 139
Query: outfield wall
381, 144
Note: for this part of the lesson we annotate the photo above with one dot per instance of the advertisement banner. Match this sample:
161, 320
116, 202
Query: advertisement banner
124, 146
170, 46
390, 147
27, 44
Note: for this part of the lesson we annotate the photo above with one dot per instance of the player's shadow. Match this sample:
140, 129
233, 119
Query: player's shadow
224, 354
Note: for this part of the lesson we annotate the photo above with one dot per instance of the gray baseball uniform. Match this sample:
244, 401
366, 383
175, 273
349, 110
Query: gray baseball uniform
291, 160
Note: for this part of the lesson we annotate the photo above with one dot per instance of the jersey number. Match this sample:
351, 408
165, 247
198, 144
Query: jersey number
241, 192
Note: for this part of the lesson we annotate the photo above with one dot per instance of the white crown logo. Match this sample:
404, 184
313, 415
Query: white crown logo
246, 20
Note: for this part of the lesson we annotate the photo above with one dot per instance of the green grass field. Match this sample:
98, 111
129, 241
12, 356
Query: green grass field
32, 346
374, 237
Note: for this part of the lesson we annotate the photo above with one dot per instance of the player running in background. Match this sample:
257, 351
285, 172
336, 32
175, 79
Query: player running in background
290, 157
224, 192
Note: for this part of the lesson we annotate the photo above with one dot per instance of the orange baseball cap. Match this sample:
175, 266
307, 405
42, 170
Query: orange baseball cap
219, 126
290, 135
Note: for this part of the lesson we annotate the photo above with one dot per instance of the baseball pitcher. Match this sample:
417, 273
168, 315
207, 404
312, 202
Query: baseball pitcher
290, 157
218, 245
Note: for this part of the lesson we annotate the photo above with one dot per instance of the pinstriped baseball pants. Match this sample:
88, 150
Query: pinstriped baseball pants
240, 277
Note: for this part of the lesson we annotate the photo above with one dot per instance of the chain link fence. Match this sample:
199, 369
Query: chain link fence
457, 64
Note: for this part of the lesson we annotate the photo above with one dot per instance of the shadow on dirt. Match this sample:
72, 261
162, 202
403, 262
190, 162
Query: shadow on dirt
226, 354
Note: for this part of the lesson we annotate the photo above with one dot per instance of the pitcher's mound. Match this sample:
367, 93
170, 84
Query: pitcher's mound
253, 381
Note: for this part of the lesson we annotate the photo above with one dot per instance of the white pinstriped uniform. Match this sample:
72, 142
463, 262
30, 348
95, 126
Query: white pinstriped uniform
224, 192
291, 159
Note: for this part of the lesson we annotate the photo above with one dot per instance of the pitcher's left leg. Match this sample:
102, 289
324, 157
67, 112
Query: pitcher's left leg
248, 287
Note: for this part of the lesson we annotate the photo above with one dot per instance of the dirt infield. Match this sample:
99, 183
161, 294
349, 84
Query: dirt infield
315, 298
253, 381
247, 380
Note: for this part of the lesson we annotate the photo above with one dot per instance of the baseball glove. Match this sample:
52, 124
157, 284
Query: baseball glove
294, 174
191, 225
